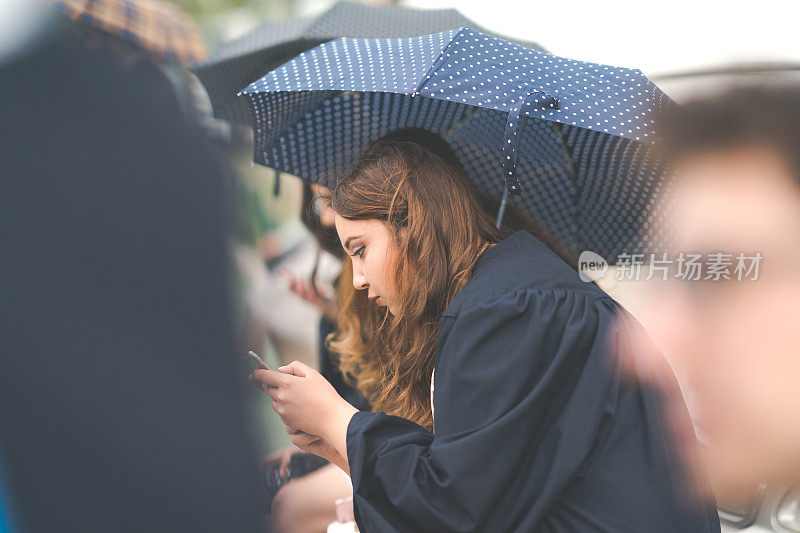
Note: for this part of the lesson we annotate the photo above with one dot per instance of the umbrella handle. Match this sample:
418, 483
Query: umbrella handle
502, 209
512, 134
526, 99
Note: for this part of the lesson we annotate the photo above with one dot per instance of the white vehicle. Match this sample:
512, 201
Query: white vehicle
768, 509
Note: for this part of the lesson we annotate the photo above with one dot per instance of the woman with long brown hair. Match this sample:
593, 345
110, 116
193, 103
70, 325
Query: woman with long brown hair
493, 372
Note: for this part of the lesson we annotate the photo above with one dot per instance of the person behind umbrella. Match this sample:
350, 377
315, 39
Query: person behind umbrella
533, 426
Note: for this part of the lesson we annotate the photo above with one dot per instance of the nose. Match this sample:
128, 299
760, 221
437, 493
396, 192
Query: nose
359, 281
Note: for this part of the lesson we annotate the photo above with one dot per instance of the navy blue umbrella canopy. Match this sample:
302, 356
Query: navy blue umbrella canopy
244, 60
567, 140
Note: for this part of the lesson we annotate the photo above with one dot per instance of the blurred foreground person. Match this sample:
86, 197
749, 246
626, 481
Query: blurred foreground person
734, 333
120, 404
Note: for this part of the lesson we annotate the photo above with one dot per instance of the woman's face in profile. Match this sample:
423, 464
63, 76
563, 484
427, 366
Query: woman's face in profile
373, 252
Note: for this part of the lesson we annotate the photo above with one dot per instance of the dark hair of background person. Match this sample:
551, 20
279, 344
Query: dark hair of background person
743, 116
326, 237
121, 406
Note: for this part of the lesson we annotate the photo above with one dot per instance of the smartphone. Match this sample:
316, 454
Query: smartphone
256, 362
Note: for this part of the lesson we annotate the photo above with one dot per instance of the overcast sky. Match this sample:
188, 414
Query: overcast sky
657, 37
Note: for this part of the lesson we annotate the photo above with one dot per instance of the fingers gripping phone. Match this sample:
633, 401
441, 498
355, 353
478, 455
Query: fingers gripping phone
255, 362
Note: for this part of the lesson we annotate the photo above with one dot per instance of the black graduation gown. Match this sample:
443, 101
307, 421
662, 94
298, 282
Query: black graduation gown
536, 426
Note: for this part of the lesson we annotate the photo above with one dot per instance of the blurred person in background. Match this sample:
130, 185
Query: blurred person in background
734, 340
318, 217
307, 503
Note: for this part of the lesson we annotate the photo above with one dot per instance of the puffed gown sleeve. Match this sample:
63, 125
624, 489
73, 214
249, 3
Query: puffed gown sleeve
527, 397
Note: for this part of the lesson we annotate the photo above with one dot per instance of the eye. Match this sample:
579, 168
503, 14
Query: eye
360, 251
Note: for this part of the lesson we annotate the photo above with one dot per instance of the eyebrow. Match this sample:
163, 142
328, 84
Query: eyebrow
347, 242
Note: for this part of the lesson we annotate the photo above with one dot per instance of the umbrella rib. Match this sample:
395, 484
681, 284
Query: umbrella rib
466, 118
437, 63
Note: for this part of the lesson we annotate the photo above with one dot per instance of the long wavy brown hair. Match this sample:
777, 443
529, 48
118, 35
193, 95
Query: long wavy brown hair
413, 182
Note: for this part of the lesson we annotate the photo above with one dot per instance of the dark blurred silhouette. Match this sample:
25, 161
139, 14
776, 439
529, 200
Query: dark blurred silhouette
120, 404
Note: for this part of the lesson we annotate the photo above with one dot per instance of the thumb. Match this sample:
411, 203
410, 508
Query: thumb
295, 368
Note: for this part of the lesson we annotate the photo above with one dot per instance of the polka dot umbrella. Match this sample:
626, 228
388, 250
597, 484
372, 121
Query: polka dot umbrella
567, 140
244, 60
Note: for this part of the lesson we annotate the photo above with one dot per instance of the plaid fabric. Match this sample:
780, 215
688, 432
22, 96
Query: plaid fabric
156, 25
